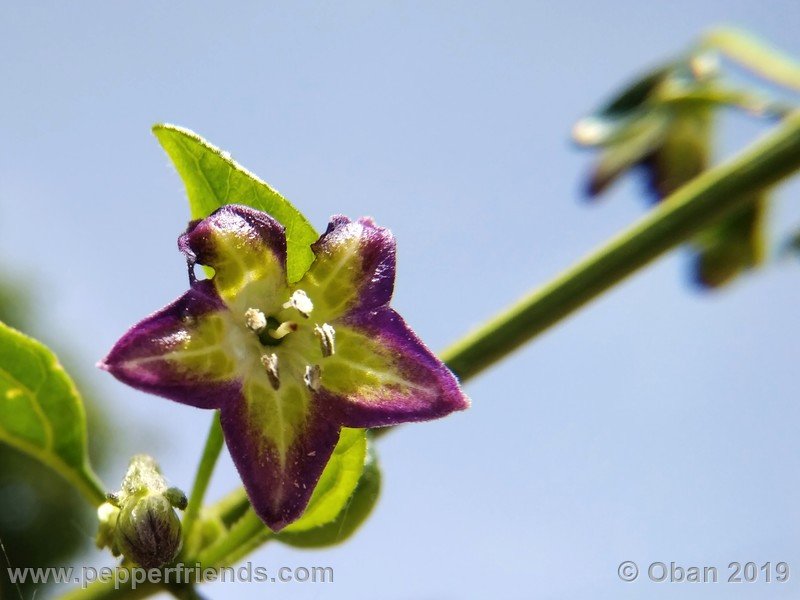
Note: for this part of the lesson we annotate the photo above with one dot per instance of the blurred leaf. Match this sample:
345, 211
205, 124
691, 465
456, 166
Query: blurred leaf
43, 520
213, 179
35, 502
755, 55
717, 96
41, 412
684, 152
337, 483
732, 246
349, 519
626, 117
637, 93
618, 158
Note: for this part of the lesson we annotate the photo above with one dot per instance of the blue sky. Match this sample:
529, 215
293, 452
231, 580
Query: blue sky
656, 424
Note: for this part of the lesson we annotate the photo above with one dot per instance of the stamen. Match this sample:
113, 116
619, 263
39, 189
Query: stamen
283, 330
312, 376
270, 362
327, 338
300, 302
255, 320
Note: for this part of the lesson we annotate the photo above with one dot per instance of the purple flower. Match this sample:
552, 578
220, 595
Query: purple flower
287, 365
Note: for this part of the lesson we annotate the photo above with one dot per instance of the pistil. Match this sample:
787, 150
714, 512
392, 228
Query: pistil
283, 330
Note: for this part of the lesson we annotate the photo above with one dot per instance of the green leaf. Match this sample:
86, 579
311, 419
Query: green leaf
733, 245
349, 519
41, 412
684, 153
213, 179
337, 483
648, 133
755, 55
637, 93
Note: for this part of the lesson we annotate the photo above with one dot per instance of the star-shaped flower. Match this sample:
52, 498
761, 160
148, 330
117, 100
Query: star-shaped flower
287, 365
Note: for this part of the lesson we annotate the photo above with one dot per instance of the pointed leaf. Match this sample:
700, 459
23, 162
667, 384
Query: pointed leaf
733, 245
213, 179
337, 483
41, 412
349, 519
684, 153
618, 158
637, 93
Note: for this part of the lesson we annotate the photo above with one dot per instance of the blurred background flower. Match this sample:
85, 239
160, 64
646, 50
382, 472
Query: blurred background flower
663, 124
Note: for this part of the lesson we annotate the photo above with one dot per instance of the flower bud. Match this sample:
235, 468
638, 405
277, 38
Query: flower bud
148, 531
139, 521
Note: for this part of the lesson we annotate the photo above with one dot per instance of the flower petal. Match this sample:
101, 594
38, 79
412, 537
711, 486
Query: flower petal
181, 352
245, 247
280, 447
382, 374
354, 268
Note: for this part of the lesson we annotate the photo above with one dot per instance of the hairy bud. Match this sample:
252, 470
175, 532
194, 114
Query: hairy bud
139, 521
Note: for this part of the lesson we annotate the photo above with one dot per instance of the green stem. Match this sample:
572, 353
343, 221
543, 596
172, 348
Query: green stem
701, 202
204, 470
232, 507
113, 588
90, 486
242, 534
107, 590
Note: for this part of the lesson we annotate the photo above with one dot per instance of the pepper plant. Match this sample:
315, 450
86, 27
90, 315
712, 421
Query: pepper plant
287, 335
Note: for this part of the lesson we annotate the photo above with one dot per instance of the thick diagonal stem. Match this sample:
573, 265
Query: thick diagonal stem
701, 202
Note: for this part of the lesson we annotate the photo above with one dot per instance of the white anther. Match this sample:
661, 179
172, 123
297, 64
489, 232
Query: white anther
327, 338
312, 376
270, 362
255, 320
300, 301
